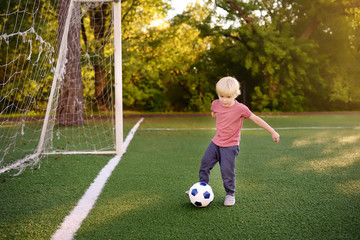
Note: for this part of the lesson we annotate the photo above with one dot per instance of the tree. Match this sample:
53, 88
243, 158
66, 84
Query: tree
99, 21
330, 25
71, 106
259, 55
23, 46
141, 83
158, 66
283, 51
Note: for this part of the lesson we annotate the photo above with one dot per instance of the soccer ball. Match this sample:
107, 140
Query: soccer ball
201, 194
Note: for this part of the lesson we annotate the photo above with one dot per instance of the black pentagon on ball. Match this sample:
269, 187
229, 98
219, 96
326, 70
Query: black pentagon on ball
207, 195
198, 204
194, 192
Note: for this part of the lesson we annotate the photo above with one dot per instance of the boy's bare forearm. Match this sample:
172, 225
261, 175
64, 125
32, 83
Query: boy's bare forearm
261, 123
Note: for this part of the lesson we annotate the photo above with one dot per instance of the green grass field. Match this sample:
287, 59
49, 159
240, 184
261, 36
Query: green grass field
305, 187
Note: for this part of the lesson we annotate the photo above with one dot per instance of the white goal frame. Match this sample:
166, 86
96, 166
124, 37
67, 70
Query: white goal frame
59, 72
118, 81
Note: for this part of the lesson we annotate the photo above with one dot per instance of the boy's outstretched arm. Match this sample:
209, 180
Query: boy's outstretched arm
260, 122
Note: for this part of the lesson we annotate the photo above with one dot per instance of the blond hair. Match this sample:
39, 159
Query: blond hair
228, 86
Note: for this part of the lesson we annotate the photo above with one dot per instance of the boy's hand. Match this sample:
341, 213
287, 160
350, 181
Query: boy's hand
213, 115
275, 137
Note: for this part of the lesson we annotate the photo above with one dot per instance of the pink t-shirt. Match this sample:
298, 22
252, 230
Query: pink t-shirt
229, 121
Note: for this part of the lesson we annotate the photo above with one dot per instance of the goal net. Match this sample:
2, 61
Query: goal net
57, 80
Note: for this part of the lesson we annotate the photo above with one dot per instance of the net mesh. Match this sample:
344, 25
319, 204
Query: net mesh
56, 90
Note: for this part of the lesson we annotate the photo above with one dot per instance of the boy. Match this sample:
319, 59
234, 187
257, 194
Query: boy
224, 147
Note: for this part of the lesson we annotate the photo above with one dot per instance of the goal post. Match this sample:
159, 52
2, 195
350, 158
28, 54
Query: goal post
118, 78
59, 72
28, 130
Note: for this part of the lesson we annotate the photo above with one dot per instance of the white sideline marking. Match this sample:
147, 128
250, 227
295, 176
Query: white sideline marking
249, 129
73, 221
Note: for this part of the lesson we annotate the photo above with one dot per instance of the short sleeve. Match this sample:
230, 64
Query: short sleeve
213, 105
246, 112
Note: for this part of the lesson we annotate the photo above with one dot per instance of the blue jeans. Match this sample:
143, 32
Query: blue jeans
226, 157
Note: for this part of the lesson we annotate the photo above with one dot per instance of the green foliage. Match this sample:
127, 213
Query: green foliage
26, 53
283, 52
289, 55
159, 59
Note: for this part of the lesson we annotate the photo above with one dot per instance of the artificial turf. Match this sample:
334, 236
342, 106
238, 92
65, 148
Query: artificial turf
305, 187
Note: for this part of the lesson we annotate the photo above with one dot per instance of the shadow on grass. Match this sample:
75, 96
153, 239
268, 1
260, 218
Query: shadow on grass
305, 187
277, 197
310, 182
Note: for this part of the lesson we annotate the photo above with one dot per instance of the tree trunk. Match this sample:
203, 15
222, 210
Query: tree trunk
98, 19
71, 106
100, 85
314, 23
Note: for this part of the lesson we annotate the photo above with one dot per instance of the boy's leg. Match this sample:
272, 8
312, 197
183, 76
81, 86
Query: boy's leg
210, 158
227, 166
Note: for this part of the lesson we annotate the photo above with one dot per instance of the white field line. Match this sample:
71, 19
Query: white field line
73, 221
248, 129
